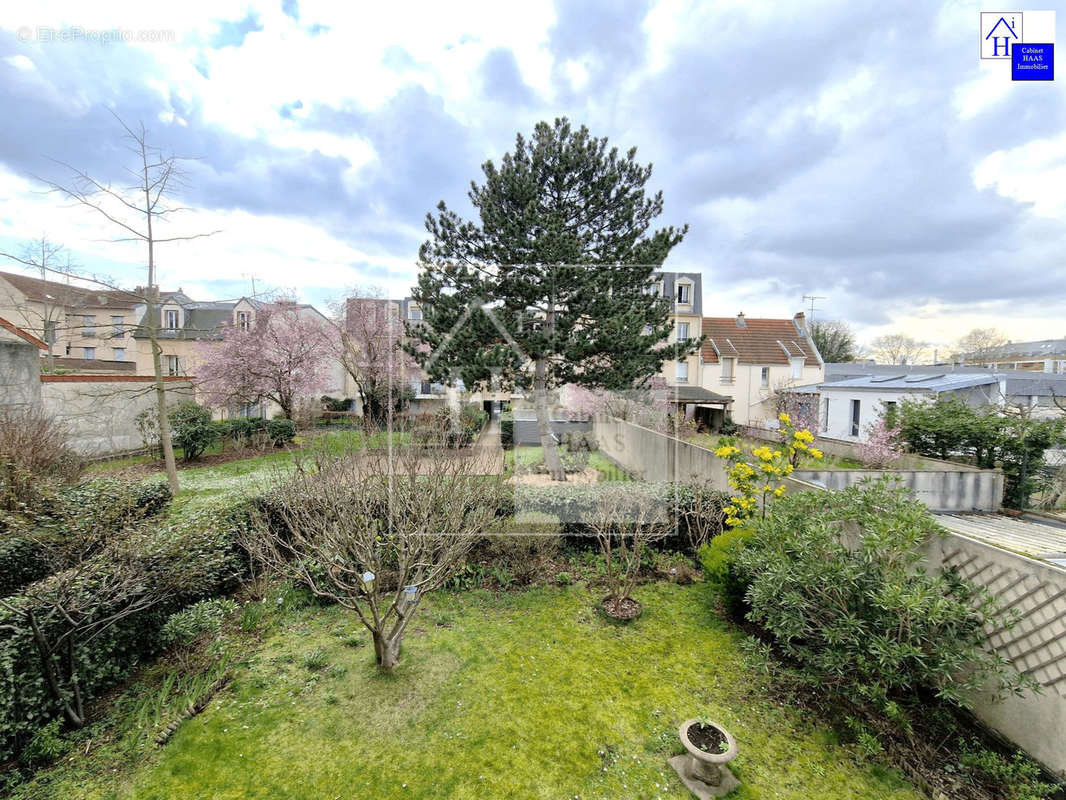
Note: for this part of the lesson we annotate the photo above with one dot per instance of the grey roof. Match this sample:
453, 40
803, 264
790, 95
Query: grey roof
914, 382
694, 394
670, 289
1034, 536
809, 388
1045, 348
1018, 381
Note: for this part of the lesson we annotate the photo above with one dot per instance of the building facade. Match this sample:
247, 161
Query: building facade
752, 360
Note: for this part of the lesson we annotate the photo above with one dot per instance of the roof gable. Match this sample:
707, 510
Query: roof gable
758, 341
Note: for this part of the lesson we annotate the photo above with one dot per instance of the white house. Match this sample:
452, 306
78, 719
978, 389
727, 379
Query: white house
849, 407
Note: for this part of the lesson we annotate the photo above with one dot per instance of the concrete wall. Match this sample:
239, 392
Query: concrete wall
525, 427
100, 411
20, 373
653, 456
1036, 645
939, 490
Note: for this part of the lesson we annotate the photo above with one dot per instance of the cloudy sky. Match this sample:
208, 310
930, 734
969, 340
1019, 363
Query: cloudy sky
852, 150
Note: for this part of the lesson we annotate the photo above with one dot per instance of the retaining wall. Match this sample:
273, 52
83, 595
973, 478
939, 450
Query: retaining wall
100, 411
526, 432
940, 490
20, 371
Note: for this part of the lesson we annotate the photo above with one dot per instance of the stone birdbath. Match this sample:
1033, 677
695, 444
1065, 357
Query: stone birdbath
703, 767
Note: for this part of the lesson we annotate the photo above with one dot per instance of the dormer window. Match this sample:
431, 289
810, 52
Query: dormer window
171, 319
684, 293
243, 321
415, 313
797, 367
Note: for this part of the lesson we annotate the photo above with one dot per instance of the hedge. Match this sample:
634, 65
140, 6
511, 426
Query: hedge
199, 552
507, 429
107, 504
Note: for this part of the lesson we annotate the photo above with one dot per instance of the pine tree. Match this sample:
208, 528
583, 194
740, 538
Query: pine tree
550, 286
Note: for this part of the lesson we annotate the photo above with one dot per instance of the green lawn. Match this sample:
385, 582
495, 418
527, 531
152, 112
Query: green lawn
526, 695
527, 456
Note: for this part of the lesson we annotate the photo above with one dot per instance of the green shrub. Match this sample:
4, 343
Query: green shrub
197, 554
836, 579
192, 429
280, 431
507, 430
719, 561
564, 578
89, 511
200, 619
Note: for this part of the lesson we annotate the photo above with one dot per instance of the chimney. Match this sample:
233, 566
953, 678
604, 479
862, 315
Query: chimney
741, 323
800, 321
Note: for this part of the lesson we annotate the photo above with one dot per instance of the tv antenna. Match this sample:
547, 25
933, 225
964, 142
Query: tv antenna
812, 298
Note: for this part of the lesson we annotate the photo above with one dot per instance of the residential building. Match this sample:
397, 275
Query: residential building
86, 329
848, 407
752, 360
1047, 355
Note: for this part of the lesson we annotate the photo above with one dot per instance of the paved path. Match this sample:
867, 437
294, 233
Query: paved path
488, 450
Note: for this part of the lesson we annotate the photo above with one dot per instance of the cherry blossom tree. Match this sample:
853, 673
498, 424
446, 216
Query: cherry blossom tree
283, 356
371, 354
883, 445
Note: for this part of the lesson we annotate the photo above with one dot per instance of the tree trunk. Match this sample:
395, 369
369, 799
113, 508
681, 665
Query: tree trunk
387, 650
547, 441
165, 441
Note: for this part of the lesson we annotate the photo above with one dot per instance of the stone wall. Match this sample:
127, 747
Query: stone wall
20, 371
100, 411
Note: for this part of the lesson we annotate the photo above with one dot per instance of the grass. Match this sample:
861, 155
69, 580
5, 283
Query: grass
532, 694
529, 456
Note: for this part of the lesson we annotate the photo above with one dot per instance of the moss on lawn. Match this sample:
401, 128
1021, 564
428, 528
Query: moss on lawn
531, 695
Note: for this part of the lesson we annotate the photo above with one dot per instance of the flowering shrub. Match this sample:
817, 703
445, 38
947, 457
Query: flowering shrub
758, 476
883, 445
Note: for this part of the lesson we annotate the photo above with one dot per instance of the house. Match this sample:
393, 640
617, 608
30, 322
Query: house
1041, 394
750, 361
850, 405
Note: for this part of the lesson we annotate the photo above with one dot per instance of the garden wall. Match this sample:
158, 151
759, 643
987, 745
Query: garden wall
100, 411
964, 489
1036, 645
940, 485
526, 433
654, 456
19, 374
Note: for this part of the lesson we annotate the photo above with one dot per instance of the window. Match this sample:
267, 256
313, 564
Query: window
88, 353
729, 366
765, 377
173, 365
171, 319
855, 417
797, 367
242, 320
684, 292
682, 372
416, 313
50, 329
118, 353
88, 324
825, 415
682, 331
654, 290
118, 330
647, 330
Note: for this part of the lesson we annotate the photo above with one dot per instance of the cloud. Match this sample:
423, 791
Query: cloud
836, 148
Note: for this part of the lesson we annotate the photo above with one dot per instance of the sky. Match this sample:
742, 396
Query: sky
857, 152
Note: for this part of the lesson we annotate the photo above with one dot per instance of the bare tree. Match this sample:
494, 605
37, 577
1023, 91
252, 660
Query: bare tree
371, 352
979, 345
625, 525
48, 317
835, 340
703, 516
137, 210
376, 530
898, 348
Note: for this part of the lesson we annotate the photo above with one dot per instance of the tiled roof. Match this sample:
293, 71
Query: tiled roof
69, 295
19, 332
756, 341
